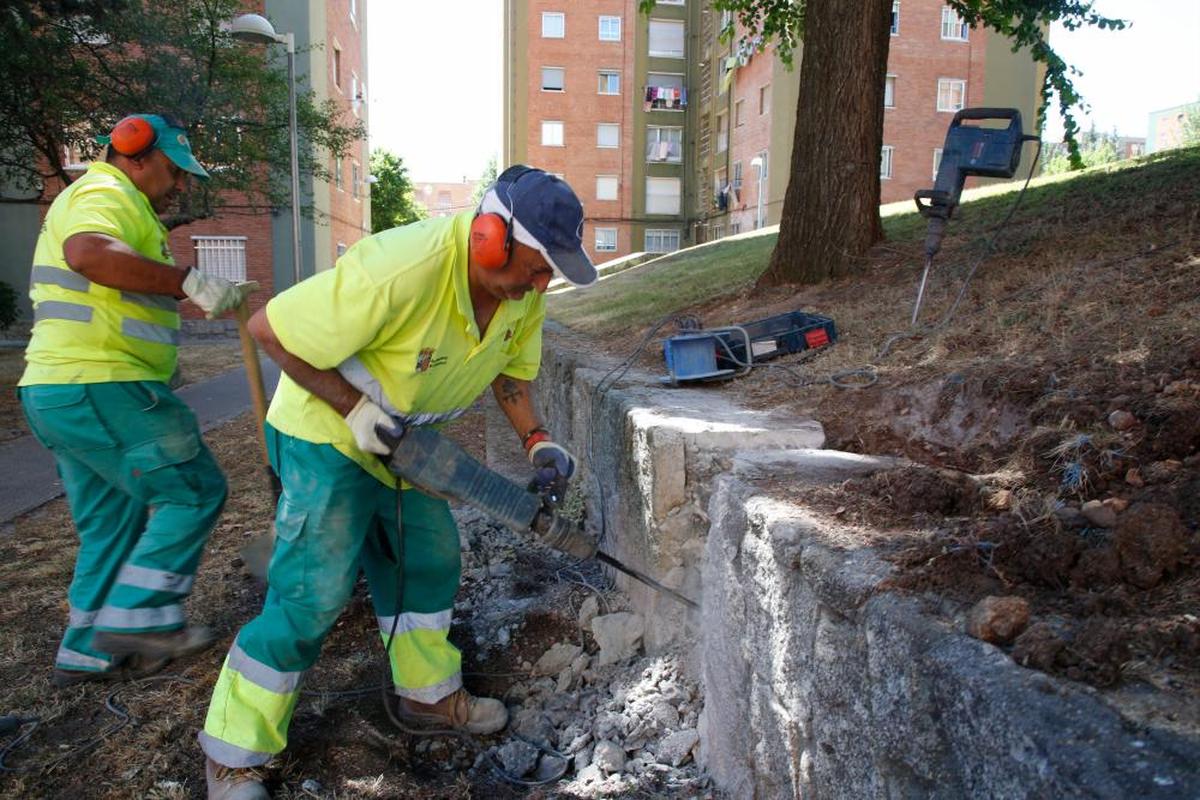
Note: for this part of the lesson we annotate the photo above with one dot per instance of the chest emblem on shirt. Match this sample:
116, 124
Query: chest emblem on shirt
508, 334
425, 359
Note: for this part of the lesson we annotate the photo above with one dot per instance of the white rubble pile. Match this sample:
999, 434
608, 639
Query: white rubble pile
608, 719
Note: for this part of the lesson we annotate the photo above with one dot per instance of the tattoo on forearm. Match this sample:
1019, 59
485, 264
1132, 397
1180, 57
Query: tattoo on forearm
511, 391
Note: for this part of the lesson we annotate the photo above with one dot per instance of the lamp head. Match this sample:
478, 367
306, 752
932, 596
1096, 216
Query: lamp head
254, 28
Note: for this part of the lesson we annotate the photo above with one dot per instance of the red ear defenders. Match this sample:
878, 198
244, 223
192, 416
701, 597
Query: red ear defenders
491, 236
133, 137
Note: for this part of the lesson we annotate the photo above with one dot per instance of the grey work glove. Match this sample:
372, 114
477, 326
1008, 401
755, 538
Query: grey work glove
554, 468
367, 421
213, 294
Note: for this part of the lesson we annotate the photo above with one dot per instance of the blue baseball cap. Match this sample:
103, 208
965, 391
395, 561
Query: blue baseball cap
544, 214
170, 137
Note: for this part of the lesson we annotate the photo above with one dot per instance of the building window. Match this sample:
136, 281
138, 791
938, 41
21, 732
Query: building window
606, 187
889, 91
660, 240
223, 256
722, 133
735, 228
606, 240
717, 232
953, 27
739, 113
662, 195
355, 93
610, 82
553, 79
896, 18
952, 94
610, 29
354, 179
764, 99
608, 134
665, 92
666, 38
337, 171
737, 176
552, 134
664, 144
670, 2
337, 66
353, 16
937, 162
885, 162
554, 25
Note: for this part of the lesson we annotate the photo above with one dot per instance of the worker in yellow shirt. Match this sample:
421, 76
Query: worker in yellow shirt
408, 329
144, 491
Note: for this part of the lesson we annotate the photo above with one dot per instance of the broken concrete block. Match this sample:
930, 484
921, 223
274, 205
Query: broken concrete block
608, 757
677, 747
534, 726
998, 619
588, 611
618, 636
557, 658
518, 758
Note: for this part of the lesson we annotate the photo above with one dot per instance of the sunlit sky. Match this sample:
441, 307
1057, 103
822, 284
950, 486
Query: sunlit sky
435, 76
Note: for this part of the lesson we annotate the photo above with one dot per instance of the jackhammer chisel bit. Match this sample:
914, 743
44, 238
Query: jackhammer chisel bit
435, 464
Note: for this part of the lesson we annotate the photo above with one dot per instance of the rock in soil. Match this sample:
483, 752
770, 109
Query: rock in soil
557, 658
1099, 514
676, 748
998, 619
518, 758
608, 757
1150, 541
1038, 647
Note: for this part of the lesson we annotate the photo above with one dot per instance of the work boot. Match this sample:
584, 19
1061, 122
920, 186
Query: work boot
234, 783
458, 711
130, 668
161, 644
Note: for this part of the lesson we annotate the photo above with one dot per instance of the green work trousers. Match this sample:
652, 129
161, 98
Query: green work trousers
144, 493
333, 520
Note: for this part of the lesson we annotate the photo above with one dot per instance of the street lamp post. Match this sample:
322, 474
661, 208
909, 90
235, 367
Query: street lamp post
759, 162
259, 30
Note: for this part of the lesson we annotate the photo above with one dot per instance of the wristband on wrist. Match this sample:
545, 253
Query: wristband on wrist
538, 434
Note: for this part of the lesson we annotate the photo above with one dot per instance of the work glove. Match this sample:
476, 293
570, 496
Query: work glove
554, 466
369, 423
213, 294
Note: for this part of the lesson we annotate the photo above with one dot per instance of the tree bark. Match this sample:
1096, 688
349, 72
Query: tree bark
831, 208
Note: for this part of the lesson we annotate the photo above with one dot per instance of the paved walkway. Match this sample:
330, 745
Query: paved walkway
27, 472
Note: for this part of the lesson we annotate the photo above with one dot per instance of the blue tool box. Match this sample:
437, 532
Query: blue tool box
719, 353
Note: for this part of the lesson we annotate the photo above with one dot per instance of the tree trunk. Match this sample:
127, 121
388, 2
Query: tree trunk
831, 208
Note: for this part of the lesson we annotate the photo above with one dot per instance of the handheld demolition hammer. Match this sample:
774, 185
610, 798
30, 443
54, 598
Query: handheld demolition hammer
435, 464
992, 152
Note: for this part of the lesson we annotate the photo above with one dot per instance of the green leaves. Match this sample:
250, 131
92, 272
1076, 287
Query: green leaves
69, 70
392, 193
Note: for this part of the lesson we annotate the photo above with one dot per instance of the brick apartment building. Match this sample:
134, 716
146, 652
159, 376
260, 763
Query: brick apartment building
444, 199
1166, 127
244, 244
671, 137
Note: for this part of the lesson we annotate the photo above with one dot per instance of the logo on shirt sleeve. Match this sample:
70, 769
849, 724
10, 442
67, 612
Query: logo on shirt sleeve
425, 359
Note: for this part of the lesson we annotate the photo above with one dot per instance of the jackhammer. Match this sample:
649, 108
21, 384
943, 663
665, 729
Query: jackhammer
968, 150
435, 464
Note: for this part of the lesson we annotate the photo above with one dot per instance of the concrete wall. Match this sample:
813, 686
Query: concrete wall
817, 683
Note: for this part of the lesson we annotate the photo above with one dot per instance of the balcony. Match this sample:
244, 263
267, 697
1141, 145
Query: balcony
665, 98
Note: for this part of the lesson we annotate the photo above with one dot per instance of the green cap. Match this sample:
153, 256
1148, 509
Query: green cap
172, 139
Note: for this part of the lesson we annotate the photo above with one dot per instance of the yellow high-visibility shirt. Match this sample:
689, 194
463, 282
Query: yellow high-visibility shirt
84, 332
395, 316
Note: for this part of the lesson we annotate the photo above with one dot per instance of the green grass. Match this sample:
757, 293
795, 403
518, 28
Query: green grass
1054, 206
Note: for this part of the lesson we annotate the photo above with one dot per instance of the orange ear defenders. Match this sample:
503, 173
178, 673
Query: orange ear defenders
491, 240
491, 236
133, 137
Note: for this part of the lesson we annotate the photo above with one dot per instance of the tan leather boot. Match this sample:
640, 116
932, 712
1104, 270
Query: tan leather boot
129, 668
161, 644
234, 783
458, 711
